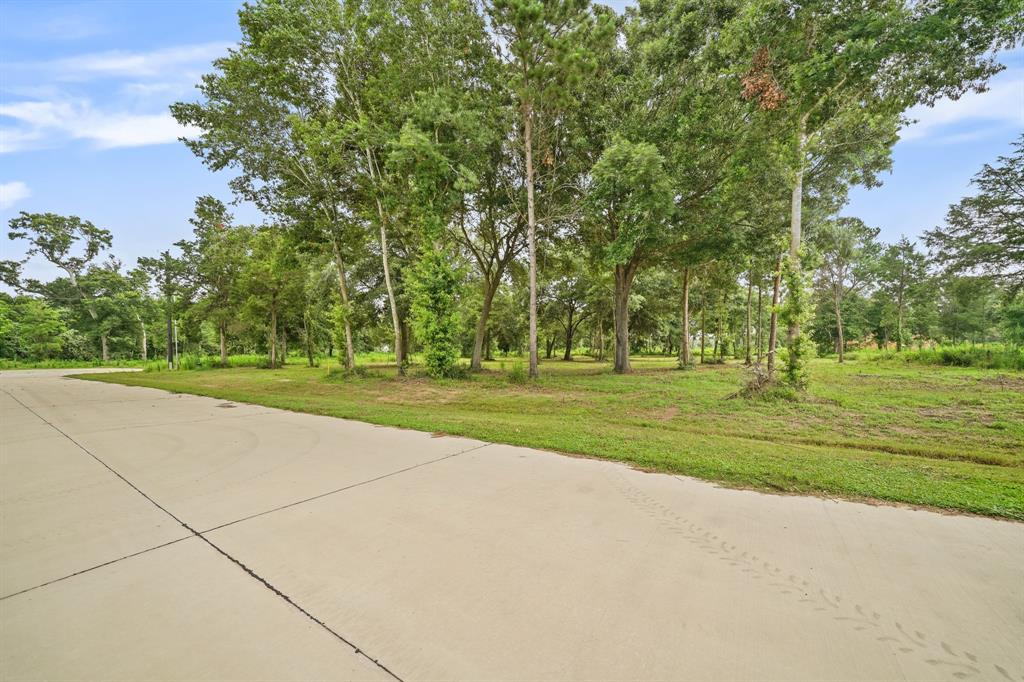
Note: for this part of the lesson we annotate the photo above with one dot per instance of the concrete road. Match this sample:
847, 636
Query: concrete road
151, 536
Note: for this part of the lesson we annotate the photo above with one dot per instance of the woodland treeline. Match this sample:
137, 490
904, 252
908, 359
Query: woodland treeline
458, 179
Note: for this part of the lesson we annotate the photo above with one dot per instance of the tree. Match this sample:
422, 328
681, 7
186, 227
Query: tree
569, 299
549, 47
67, 242
30, 328
836, 76
628, 206
985, 233
902, 272
272, 284
308, 104
214, 259
967, 309
169, 276
849, 253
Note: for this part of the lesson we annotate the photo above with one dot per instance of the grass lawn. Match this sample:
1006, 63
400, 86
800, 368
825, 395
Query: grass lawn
944, 437
66, 364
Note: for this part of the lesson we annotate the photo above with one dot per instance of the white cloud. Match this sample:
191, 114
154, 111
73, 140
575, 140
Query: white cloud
48, 103
124, 64
47, 123
974, 115
12, 192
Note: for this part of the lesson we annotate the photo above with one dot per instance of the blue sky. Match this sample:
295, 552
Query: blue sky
85, 130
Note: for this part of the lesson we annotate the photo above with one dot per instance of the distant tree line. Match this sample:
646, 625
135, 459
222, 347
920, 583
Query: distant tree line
460, 179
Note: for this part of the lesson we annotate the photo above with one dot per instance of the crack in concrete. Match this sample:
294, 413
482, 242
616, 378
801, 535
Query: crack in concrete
347, 487
93, 568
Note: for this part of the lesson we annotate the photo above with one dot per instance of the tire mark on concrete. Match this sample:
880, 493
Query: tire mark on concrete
857, 616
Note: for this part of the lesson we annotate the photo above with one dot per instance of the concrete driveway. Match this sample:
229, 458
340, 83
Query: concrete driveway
152, 536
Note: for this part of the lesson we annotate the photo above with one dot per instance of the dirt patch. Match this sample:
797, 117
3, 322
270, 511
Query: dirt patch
1004, 381
414, 392
662, 414
943, 412
666, 414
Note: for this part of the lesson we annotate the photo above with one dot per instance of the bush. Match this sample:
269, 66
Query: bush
434, 312
194, 361
518, 374
990, 356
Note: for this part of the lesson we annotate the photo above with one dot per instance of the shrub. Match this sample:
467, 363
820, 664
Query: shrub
989, 356
518, 374
434, 313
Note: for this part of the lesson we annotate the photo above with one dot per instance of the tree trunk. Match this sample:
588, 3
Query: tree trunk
371, 162
773, 325
531, 230
487, 346
350, 355
170, 339
750, 294
284, 345
600, 340
840, 341
796, 215
760, 320
568, 339
143, 346
406, 340
103, 346
684, 341
222, 328
399, 355
623, 282
272, 337
549, 347
702, 328
490, 289
899, 322
309, 341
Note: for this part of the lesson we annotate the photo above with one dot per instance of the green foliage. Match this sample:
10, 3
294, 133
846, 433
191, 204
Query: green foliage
198, 361
517, 374
985, 356
986, 232
30, 329
628, 203
56, 238
796, 311
553, 45
435, 315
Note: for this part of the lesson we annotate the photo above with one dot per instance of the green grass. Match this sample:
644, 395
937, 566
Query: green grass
944, 437
987, 356
66, 364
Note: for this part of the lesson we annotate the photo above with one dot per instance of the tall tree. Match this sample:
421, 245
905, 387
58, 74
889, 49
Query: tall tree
835, 75
272, 285
549, 46
214, 259
169, 276
985, 233
67, 242
902, 272
849, 254
628, 206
